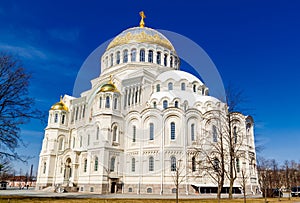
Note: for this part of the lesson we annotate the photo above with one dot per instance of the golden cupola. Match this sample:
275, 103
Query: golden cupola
109, 87
59, 106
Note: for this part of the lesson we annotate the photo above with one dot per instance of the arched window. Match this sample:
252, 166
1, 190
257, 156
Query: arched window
172, 127
158, 58
193, 132
238, 166
151, 163
133, 165
97, 133
171, 61
174, 190
116, 103
193, 164
112, 164
125, 56
176, 104
96, 164
44, 167
133, 133
118, 57
107, 102
165, 59
63, 119
56, 118
170, 86
150, 56
194, 88
130, 189
154, 105
133, 55
215, 133
151, 131
100, 102
106, 62
235, 135
165, 104
85, 165
142, 55
115, 131
60, 143
173, 163
216, 164
111, 60
183, 86
158, 88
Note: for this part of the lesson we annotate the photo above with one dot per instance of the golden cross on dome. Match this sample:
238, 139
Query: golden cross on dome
142, 23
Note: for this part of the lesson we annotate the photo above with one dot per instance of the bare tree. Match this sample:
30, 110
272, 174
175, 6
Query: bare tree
16, 107
178, 175
243, 182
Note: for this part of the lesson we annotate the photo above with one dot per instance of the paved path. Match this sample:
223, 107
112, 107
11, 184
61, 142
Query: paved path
36, 193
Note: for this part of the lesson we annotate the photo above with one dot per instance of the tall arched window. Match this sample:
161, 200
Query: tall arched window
238, 166
133, 165
235, 135
60, 143
85, 165
56, 118
111, 60
44, 167
171, 62
118, 57
194, 88
133, 55
151, 131
158, 58
158, 88
112, 164
100, 102
193, 164
172, 127
125, 56
150, 56
154, 105
133, 133
96, 164
176, 104
183, 86
165, 104
107, 102
165, 59
97, 133
193, 132
170, 86
63, 119
151, 163
173, 163
215, 133
115, 131
142, 55
116, 103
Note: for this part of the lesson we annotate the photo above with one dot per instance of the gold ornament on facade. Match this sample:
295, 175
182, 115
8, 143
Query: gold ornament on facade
109, 87
59, 105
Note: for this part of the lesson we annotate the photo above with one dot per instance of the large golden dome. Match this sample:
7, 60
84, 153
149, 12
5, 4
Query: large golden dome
59, 106
141, 35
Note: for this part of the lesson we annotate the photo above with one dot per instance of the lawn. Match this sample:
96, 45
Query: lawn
19, 199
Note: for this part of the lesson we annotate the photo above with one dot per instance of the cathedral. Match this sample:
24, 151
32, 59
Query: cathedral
143, 126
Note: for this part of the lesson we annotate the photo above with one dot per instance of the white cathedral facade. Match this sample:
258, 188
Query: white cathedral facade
143, 121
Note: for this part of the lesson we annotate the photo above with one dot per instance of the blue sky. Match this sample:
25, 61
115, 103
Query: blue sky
254, 45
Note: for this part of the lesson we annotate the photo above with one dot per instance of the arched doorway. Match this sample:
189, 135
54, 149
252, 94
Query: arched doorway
68, 170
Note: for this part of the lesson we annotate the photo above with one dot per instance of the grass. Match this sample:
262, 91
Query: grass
21, 199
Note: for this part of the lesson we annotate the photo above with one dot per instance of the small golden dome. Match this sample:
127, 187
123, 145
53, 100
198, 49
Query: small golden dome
59, 106
109, 87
